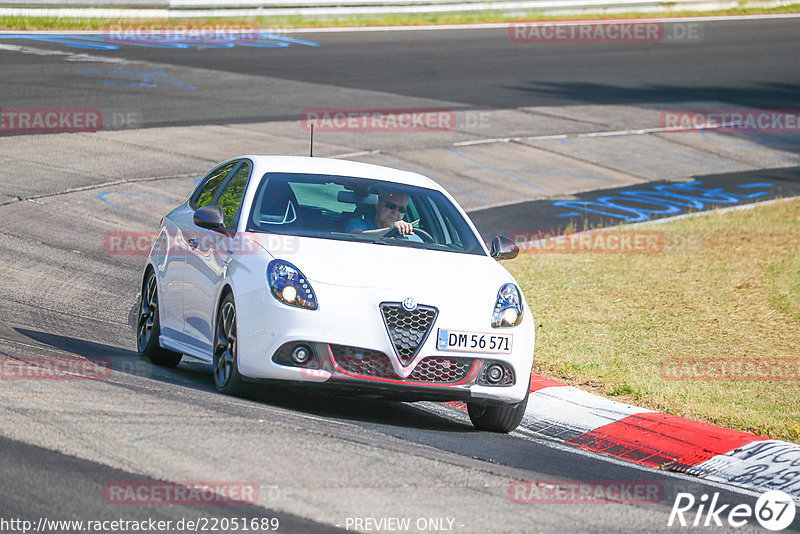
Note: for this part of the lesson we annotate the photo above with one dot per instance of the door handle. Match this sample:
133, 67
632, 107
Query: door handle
193, 242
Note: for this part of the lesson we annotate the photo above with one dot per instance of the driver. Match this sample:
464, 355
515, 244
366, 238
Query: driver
389, 213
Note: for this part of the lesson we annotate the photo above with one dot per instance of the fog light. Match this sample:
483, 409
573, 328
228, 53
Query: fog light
494, 373
301, 354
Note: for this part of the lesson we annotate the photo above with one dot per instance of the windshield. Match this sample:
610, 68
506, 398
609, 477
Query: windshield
354, 209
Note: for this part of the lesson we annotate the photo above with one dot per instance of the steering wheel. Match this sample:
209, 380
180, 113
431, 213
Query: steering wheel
425, 236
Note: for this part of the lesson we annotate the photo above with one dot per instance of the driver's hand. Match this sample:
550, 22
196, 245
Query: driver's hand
403, 227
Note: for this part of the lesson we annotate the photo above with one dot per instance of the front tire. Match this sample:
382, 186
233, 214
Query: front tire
148, 327
226, 364
497, 418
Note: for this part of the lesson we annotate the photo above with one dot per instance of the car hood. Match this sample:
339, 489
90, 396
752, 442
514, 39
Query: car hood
358, 264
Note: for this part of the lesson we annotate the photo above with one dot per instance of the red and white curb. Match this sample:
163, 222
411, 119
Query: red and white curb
663, 441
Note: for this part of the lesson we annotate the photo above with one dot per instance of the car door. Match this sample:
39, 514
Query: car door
207, 260
180, 229
171, 260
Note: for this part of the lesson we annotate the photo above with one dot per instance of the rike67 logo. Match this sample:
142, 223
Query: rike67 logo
774, 510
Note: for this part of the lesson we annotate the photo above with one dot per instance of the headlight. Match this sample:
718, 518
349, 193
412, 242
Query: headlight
289, 285
508, 308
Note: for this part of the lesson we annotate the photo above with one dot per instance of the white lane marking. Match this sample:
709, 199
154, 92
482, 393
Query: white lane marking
568, 411
355, 154
68, 56
612, 133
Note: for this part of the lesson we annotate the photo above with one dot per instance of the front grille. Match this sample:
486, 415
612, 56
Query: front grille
375, 364
441, 370
363, 362
407, 329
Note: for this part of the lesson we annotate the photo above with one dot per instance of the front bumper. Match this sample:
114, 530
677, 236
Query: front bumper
353, 351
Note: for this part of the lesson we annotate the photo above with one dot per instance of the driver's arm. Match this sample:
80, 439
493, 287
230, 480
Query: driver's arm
403, 228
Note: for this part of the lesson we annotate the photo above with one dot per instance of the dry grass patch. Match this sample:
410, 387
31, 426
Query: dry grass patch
726, 285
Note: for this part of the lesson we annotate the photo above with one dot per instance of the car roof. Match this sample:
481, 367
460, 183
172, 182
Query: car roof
340, 167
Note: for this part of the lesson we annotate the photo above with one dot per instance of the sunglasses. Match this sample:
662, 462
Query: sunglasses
392, 206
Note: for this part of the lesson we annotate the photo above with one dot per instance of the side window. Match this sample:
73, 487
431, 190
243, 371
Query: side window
213, 181
231, 198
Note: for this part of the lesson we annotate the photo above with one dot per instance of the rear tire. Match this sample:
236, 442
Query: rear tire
148, 326
497, 418
226, 363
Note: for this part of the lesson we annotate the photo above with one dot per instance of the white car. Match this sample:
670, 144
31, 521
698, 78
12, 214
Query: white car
280, 268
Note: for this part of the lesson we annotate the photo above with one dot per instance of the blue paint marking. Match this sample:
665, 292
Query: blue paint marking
258, 39
754, 185
669, 199
102, 196
132, 78
86, 42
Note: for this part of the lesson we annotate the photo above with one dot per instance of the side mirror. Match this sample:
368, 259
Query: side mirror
210, 217
504, 248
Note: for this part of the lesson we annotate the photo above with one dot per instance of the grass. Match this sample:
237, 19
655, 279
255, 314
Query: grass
725, 285
53, 23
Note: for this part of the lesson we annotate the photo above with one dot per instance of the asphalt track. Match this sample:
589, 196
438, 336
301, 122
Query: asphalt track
742, 63
317, 460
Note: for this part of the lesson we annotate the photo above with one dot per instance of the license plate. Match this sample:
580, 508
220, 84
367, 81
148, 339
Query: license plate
484, 342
